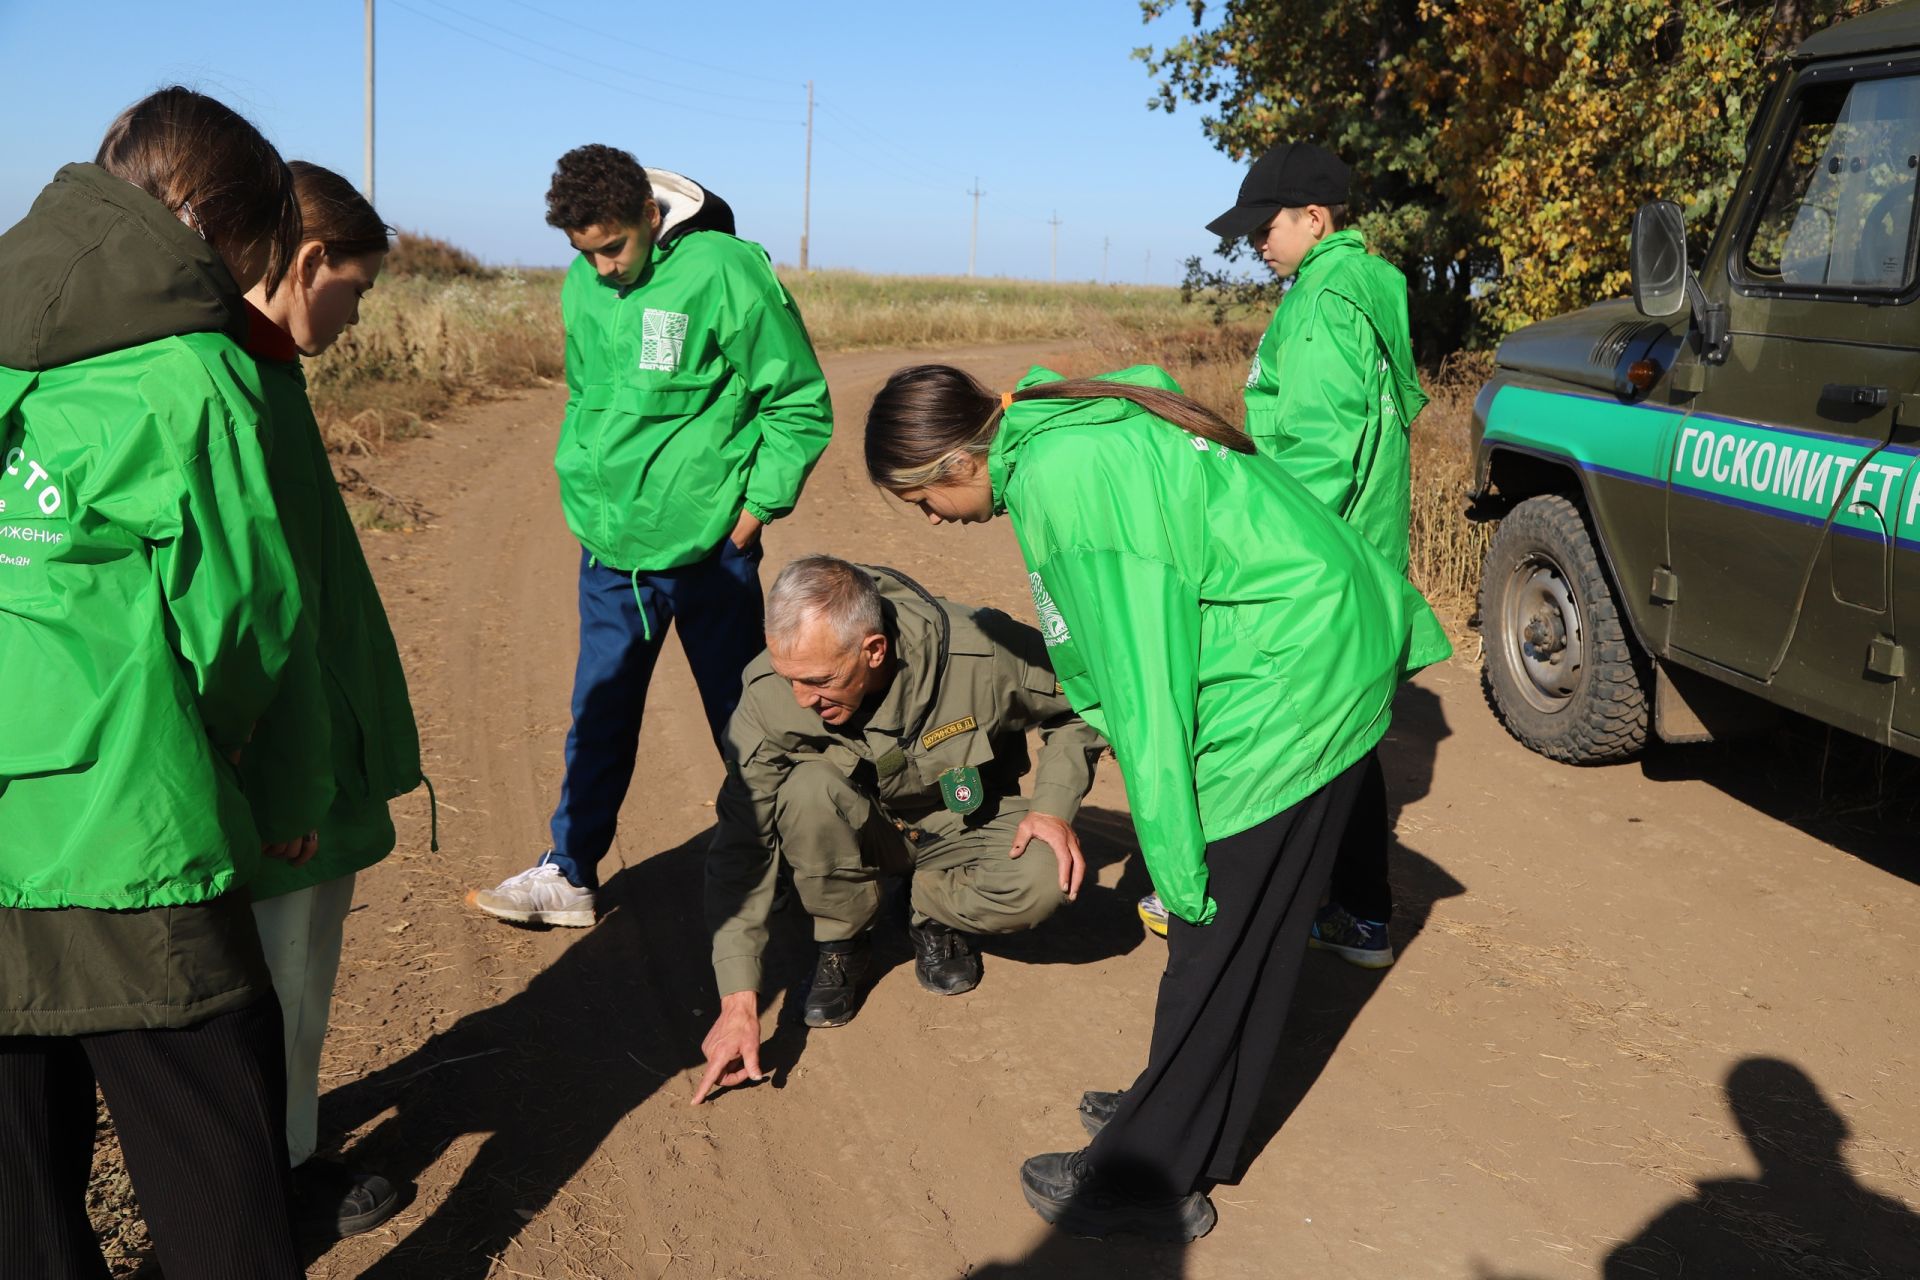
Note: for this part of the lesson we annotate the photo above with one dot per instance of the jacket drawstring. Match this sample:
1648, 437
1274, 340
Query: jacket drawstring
646, 628
433, 820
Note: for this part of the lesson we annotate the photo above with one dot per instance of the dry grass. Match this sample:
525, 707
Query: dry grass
430, 341
1446, 551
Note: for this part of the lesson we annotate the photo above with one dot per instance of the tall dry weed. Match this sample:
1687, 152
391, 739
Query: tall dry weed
424, 345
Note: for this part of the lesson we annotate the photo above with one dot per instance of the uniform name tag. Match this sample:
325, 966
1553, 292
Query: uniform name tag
945, 731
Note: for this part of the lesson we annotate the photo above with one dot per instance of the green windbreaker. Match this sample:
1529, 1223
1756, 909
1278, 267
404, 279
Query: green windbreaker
694, 393
363, 714
1234, 640
1333, 391
148, 602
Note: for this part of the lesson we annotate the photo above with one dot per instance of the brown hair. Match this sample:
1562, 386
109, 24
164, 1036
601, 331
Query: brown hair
930, 412
595, 185
335, 214
211, 168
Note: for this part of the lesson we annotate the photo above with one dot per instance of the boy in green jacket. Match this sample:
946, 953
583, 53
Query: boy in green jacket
696, 410
1331, 396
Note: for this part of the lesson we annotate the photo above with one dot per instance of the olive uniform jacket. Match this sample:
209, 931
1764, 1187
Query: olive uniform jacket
969, 684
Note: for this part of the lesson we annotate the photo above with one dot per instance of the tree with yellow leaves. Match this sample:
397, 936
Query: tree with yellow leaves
1500, 146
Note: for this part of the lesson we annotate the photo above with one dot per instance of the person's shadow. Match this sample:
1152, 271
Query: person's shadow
1805, 1215
548, 1073
1332, 992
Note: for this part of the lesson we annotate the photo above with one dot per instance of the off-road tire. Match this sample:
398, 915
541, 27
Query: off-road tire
1596, 712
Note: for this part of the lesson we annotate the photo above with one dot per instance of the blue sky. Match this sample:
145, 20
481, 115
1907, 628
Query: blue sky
1040, 100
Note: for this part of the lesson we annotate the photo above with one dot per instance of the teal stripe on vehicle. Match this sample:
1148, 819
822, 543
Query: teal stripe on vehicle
1791, 473
1627, 440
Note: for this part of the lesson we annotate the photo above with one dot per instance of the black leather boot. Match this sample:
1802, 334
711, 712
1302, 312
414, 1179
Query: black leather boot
837, 977
942, 959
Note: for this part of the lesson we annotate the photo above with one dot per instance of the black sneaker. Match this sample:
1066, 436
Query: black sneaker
943, 961
837, 975
331, 1199
1096, 1108
1063, 1191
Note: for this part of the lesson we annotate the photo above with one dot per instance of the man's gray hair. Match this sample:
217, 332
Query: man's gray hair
840, 594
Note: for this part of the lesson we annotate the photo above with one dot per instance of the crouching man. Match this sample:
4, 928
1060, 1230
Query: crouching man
885, 732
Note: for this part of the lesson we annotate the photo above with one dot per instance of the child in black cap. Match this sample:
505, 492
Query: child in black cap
1330, 397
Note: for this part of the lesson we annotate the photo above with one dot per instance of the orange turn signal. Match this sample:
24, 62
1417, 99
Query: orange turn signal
1642, 374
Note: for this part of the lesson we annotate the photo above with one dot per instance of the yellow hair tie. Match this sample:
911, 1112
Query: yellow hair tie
1006, 401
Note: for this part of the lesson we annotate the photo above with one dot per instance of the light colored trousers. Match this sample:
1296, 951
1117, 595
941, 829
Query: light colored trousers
301, 934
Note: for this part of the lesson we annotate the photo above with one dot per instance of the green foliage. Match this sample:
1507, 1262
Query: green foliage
1499, 146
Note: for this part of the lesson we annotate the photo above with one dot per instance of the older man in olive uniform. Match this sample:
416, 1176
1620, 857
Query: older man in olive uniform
885, 732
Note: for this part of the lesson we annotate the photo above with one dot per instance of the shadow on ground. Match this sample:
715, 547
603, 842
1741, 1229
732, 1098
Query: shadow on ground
1840, 789
1806, 1217
548, 1073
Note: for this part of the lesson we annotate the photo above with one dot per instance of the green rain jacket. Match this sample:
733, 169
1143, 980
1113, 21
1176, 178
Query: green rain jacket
694, 394
1333, 391
148, 610
1234, 640
363, 713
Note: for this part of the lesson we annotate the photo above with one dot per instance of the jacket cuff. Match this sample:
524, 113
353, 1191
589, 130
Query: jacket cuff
758, 512
1055, 801
737, 973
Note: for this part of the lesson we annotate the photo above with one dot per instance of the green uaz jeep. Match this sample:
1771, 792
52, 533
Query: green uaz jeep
1710, 491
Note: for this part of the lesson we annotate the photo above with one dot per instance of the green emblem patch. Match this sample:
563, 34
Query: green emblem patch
960, 789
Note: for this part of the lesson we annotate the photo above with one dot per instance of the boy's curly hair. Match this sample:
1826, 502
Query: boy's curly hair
597, 185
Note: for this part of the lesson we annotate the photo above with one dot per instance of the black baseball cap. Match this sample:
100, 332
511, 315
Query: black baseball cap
1290, 175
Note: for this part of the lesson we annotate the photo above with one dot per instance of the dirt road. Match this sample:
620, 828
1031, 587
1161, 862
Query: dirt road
1640, 1027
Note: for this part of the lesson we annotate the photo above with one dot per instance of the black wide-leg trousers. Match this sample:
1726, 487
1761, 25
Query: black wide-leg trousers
201, 1115
1223, 1002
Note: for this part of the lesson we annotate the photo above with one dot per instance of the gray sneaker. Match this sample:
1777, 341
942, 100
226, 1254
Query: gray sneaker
540, 895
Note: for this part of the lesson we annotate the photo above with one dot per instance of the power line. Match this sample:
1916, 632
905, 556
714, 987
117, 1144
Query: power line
568, 71
872, 161
574, 21
902, 152
594, 62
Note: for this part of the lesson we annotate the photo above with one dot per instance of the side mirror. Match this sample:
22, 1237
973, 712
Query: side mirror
1657, 258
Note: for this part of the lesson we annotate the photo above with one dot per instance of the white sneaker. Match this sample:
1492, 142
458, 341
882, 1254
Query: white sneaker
539, 895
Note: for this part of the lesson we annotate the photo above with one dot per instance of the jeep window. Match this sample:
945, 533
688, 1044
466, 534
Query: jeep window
1839, 209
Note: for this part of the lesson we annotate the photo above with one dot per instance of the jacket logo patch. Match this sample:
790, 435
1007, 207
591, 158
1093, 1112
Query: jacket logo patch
1053, 626
945, 731
663, 335
1253, 374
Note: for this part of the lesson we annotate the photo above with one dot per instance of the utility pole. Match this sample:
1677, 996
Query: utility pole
973, 242
369, 192
1105, 244
806, 186
1053, 258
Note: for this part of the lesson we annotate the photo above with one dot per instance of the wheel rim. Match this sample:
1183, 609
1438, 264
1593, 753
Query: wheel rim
1544, 635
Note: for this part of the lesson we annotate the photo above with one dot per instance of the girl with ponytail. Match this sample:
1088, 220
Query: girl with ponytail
1240, 647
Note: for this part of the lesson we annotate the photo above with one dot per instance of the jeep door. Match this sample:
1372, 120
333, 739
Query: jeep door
1782, 494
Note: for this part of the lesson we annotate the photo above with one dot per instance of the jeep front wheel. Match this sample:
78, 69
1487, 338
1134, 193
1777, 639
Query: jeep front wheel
1561, 671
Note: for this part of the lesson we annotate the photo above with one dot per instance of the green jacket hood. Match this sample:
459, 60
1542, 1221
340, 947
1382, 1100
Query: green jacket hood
98, 266
1340, 264
1025, 419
